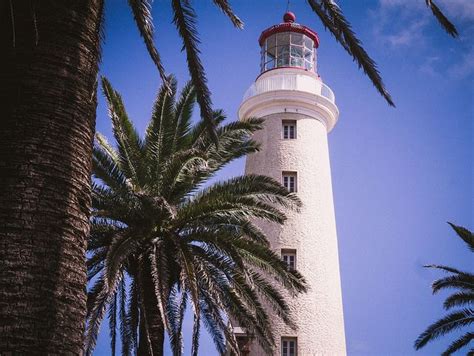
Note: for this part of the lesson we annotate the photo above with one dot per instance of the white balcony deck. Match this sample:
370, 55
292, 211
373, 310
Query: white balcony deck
289, 79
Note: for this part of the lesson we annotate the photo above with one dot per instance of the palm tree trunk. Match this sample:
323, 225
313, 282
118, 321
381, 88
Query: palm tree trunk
143, 342
152, 333
50, 53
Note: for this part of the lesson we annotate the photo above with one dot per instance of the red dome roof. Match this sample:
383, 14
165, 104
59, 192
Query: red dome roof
289, 26
289, 17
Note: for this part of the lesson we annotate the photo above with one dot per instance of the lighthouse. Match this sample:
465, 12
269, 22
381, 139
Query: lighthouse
299, 111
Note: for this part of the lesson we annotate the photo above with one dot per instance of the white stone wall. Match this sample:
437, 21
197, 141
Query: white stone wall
312, 231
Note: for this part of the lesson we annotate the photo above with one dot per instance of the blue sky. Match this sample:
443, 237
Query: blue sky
398, 174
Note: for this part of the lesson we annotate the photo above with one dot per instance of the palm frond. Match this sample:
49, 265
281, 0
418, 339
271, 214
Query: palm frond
182, 173
254, 233
273, 297
262, 188
248, 197
446, 269
113, 324
215, 324
128, 141
234, 142
230, 294
442, 19
183, 113
176, 307
122, 246
215, 226
240, 312
160, 134
227, 10
466, 235
461, 281
95, 263
141, 10
240, 130
196, 332
133, 312
107, 147
116, 209
101, 234
443, 326
163, 110
269, 262
460, 299
214, 328
107, 170
158, 267
204, 159
200, 131
124, 131
188, 276
239, 209
185, 21
210, 255
125, 327
97, 300
333, 19
459, 344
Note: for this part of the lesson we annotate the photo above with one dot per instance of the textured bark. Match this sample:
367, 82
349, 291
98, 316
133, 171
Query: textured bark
143, 342
50, 54
152, 333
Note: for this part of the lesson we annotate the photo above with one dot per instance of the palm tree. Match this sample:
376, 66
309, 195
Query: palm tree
162, 239
463, 282
48, 79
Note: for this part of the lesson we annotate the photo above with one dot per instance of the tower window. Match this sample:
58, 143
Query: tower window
289, 129
289, 257
288, 346
289, 181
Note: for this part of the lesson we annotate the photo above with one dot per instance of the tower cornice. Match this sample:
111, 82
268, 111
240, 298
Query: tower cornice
290, 90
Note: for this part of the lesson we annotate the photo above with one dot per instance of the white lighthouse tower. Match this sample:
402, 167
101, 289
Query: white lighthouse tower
299, 111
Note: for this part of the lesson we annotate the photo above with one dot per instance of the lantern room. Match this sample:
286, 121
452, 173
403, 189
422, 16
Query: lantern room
288, 44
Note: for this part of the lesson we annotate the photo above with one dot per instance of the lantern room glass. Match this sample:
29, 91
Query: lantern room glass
288, 49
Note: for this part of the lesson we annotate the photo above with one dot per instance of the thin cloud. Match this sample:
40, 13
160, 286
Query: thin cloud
407, 36
404, 24
429, 67
458, 9
464, 68
399, 23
